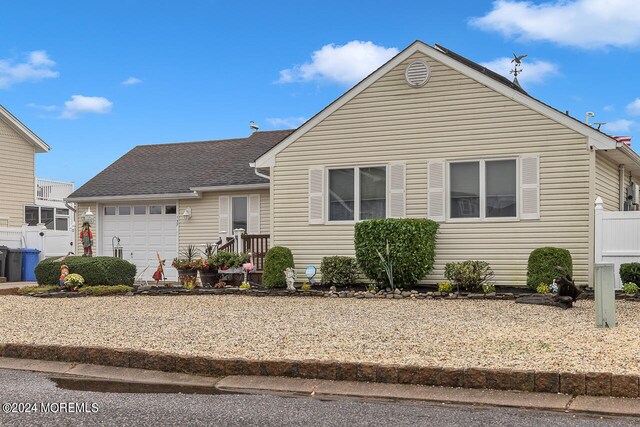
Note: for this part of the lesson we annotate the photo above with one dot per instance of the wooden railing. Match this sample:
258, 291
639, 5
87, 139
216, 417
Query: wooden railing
258, 245
229, 246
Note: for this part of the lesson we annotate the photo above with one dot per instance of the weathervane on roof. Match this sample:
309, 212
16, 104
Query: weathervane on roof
517, 67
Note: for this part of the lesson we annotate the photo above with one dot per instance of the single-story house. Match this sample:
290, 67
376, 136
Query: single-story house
159, 198
430, 134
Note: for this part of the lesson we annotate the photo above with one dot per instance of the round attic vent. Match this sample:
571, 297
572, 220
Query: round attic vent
417, 73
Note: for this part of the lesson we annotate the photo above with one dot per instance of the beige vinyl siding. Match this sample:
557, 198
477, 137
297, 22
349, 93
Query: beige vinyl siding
203, 226
81, 208
608, 182
452, 117
17, 176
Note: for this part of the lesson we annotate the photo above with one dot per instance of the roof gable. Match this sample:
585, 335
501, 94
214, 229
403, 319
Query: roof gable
24, 132
462, 65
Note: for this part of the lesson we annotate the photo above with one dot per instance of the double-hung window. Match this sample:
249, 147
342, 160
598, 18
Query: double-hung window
357, 193
483, 189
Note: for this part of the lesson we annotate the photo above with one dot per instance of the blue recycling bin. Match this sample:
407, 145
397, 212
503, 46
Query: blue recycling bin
30, 258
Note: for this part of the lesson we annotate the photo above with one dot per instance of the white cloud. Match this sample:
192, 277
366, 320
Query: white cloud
346, 64
79, 104
532, 71
634, 108
37, 66
287, 122
620, 126
131, 81
43, 107
608, 108
587, 24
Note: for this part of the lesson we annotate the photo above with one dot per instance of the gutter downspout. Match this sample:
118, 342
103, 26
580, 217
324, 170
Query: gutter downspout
260, 174
623, 193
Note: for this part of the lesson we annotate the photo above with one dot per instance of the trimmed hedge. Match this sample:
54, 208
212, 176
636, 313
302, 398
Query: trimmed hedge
630, 272
276, 261
412, 248
542, 265
100, 270
338, 270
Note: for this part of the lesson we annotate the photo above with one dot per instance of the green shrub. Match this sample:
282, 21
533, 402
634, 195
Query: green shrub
488, 288
37, 289
630, 272
105, 290
412, 249
445, 286
229, 259
469, 275
338, 270
101, 270
543, 288
630, 288
276, 261
542, 265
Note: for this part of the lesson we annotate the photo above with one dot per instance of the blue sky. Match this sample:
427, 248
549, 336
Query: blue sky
94, 79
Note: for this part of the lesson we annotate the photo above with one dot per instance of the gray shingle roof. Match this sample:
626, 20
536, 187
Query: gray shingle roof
178, 167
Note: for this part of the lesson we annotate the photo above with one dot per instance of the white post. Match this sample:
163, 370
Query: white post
605, 296
598, 229
237, 234
223, 237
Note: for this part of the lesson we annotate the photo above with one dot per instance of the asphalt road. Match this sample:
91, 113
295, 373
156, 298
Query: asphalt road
24, 391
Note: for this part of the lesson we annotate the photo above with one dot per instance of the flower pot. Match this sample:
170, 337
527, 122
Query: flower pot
187, 277
208, 278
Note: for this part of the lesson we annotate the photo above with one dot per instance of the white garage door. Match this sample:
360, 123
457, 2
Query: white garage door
144, 230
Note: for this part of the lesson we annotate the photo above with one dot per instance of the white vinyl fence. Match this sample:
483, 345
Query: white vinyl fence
617, 238
50, 243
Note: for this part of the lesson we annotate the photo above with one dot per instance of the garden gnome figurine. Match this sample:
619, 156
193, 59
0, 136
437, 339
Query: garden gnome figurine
86, 236
290, 275
64, 272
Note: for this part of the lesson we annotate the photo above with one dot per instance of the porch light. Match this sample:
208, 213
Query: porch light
186, 215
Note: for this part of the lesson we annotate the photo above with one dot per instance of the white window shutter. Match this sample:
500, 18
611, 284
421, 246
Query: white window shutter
397, 190
316, 196
253, 225
530, 187
436, 190
223, 215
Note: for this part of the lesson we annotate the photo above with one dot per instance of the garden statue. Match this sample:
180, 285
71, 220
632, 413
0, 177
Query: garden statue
290, 275
86, 236
566, 285
159, 274
64, 272
247, 267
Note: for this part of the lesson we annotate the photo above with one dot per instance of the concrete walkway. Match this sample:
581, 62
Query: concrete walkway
155, 381
11, 288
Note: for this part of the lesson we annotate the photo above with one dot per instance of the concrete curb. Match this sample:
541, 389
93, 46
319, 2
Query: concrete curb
589, 383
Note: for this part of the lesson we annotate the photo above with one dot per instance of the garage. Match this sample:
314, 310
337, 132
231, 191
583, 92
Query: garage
144, 230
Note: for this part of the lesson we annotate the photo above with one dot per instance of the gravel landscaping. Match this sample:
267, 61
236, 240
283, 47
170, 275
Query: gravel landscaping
493, 334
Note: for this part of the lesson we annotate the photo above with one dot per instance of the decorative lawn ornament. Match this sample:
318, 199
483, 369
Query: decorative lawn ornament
159, 274
86, 236
290, 275
310, 272
247, 267
64, 272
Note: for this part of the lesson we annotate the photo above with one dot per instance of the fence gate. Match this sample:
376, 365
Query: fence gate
617, 238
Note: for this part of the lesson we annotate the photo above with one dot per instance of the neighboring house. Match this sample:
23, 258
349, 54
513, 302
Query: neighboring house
18, 147
26, 200
431, 134
142, 198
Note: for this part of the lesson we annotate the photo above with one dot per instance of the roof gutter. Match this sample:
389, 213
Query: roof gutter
232, 187
628, 151
192, 195
260, 174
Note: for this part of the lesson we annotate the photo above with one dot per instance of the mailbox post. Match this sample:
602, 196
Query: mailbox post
605, 296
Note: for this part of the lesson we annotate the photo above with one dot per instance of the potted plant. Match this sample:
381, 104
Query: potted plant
186, 265
208, 271
230, 263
